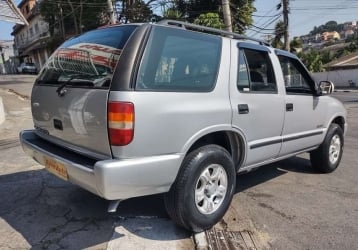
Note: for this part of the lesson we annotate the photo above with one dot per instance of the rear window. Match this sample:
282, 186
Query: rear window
87, 60
29, 64
179, 60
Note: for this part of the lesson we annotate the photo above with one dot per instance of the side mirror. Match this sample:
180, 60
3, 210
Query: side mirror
326, 87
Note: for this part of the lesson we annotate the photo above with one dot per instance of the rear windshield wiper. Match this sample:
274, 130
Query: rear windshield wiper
61, 91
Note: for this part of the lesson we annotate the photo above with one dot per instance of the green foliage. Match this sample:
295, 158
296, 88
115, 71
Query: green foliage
241, 11
173, 14
76, 16
352, 38
279, 31
329, 26
312, 60
138, 12
295, 44
210, 20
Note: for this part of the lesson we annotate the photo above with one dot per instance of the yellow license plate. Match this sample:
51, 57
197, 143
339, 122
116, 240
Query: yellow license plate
56, 168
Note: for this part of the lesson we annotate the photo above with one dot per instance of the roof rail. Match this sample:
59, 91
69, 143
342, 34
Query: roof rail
190, 26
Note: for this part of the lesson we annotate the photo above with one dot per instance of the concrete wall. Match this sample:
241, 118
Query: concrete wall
340, 78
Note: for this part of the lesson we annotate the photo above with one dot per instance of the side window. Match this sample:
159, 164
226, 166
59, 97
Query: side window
178, 60
255, 72
295, 76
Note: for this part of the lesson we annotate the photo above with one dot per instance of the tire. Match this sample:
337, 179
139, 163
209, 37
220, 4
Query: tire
203, 189
327, 157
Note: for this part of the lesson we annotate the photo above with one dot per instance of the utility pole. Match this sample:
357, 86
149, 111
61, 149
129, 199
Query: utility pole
62, 23
112, 18
227, 14
285, 21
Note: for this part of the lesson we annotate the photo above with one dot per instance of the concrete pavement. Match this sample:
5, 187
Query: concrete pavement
39, 211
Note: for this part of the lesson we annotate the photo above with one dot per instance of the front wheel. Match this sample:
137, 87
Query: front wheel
327, 157
203, 190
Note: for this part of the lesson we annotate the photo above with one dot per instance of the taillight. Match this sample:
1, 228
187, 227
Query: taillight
120, 123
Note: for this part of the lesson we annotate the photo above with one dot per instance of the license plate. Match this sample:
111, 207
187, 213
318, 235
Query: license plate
56, 168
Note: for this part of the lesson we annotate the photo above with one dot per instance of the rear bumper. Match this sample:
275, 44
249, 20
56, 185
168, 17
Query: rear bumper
111, 179
25, 70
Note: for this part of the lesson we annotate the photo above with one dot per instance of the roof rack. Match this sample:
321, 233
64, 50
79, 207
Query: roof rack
190, 26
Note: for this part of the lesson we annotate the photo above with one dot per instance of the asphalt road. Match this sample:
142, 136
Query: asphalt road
346, 97
286, 205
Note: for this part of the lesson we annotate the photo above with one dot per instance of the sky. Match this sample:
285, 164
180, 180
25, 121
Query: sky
304, 15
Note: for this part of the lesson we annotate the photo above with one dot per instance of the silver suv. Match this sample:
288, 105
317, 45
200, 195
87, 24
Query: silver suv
176, 108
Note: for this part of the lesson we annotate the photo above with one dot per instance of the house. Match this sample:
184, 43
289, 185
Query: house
327, 36
7, 58
346, 62
343, 72
30, 40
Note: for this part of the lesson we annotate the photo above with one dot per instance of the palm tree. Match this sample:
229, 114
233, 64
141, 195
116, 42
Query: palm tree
279, 31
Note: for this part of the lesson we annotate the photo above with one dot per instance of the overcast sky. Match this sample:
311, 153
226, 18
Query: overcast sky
304, 15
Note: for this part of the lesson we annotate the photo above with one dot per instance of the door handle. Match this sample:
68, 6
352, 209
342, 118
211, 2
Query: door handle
289, 107
243, 108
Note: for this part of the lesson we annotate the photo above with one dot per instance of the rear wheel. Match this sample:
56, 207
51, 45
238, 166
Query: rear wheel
327, 157
203, 190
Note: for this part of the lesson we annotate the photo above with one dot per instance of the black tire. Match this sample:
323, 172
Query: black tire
320, 157
180, 201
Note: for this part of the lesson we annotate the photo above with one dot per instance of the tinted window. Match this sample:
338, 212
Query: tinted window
255, 72
87, 60
296, 77
179, 60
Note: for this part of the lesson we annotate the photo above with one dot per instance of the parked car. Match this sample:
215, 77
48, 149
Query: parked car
179, 109
27, 67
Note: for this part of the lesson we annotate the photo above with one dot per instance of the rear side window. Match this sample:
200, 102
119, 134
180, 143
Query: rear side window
87, 60
255, 72
179, 60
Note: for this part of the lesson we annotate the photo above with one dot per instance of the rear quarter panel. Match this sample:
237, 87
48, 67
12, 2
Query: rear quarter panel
169, 122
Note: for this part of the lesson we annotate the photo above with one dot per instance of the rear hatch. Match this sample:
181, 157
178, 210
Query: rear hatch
69, 98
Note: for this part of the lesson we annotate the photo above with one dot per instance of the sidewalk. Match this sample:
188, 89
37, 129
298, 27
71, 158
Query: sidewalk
346, 89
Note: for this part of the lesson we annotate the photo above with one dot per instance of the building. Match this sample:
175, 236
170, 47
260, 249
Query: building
30, 40
327, 36
7, 58
350, 26
342, 72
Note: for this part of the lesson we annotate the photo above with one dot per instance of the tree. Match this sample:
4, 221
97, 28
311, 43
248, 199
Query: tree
210, 20
72, 17
312, 60
295, 44
173, 14
279, 31
138, 11
241, 10
329, 26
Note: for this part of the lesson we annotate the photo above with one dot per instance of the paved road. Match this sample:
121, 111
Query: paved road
285, 205
39, 211
288, 205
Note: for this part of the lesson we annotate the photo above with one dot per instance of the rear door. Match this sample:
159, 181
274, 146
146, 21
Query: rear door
69, 98
257, 102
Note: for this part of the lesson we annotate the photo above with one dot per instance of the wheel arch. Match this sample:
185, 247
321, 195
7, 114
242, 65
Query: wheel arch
339, 120
229, 138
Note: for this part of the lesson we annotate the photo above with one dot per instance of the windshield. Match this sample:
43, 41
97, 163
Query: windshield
87, 60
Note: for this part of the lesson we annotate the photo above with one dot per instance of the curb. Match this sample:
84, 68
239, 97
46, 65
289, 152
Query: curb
201, 243
2, 113
346, 90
